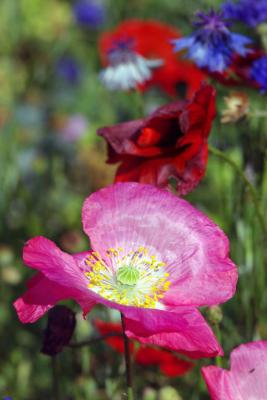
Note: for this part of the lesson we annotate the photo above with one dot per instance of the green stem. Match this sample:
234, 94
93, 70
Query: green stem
55, 378
217, 331
258, 114
138, 101
127, 355
89, 342
252, 191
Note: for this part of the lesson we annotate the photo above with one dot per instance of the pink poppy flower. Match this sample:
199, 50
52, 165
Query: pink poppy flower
155, 259
247, 378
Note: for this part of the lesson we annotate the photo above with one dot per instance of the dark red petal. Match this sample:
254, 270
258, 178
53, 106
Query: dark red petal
176, 368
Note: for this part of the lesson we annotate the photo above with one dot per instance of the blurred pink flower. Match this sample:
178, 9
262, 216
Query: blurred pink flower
247, 378
155, 259
74, 128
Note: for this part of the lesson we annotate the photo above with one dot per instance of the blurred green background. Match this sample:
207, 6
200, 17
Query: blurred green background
51, 103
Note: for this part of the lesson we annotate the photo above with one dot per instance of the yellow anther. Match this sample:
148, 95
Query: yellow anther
147, 285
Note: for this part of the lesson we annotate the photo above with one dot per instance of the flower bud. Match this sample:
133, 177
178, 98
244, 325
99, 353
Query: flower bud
215, 315
58, 333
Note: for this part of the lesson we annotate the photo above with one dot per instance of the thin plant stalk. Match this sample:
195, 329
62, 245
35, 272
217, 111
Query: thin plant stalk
218, 359
128, 366
91, 341
55, 378
252, 191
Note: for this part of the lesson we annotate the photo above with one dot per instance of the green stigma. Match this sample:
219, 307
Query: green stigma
127, 275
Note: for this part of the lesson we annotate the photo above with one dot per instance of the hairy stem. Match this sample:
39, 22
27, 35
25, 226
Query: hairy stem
217, 330
128, 367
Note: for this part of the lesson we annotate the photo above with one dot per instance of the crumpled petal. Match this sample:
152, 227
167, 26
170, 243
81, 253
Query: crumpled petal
194, 249
43, 254
169, 143
61, 277
42, 294
183, 330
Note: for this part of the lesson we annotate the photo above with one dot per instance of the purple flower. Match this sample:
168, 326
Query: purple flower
68, 69
250, 12
212, 45
259, 72
89, 13
74, 128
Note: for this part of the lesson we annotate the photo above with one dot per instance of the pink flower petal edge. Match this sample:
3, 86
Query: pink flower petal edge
247, 378
42, 294
183, 330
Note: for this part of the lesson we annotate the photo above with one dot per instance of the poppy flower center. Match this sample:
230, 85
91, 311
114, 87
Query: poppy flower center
130, 278
128, 275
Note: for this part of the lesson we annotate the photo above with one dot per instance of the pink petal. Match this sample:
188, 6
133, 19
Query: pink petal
219, 383
249, 369
42, 294
246, 378
80, 259
61, 278
59, 267
184, 330
130, 215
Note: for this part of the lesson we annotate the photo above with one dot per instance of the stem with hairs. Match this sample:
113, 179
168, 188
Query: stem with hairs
128, 366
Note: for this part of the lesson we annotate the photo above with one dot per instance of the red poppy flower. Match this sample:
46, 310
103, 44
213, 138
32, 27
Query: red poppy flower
170, 364
152, 41
169, 143
116, 342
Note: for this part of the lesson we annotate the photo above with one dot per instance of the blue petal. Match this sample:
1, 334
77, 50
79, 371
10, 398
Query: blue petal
183, 43
238, 43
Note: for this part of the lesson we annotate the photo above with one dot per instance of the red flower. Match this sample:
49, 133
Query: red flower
171, 142
115, 342
170, 364
151, 40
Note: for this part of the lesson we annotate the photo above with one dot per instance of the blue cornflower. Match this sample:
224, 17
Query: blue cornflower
259, 72
212, 45
89, 13
251, 12
68, 69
